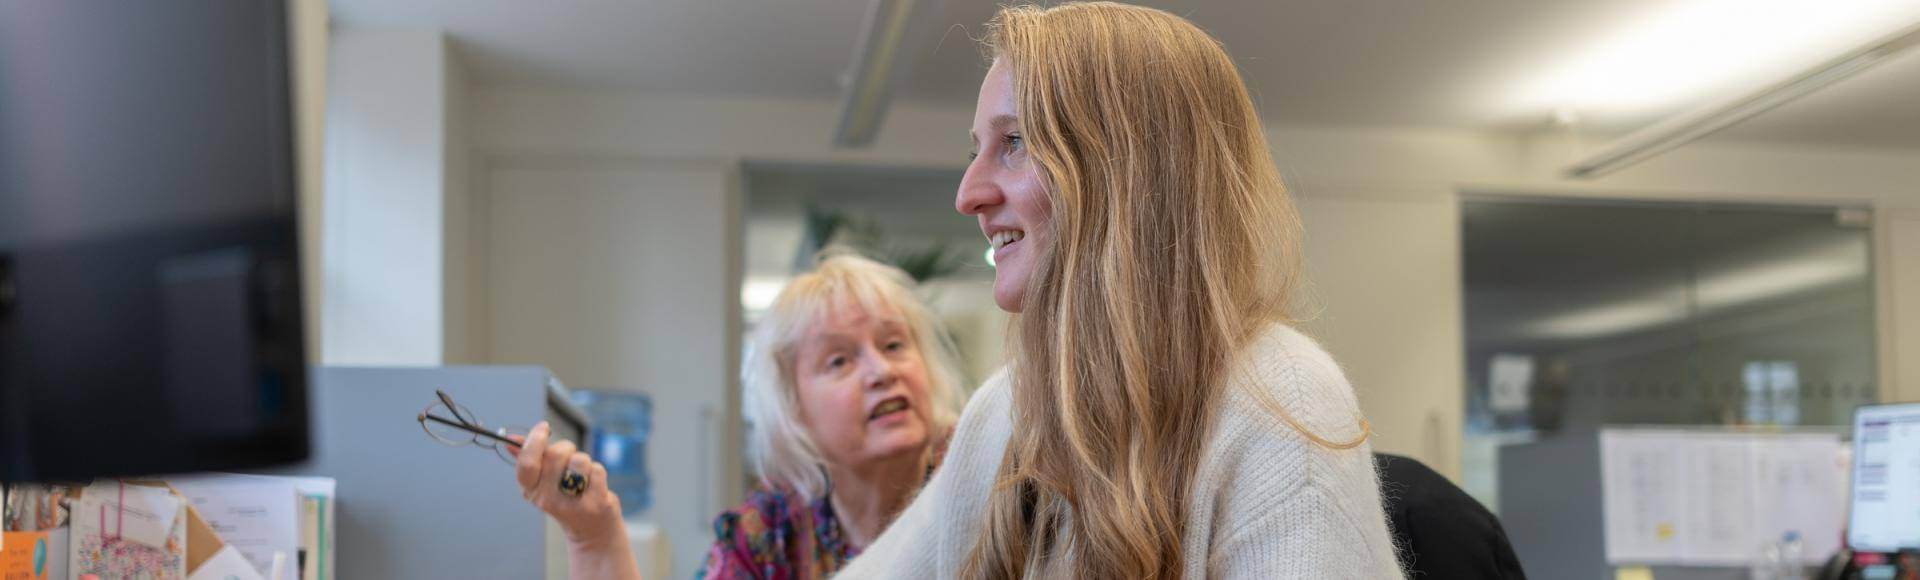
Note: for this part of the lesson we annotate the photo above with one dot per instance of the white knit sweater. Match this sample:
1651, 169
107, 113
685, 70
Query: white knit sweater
1266, 502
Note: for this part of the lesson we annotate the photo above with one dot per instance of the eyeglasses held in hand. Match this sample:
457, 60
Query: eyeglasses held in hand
454, 425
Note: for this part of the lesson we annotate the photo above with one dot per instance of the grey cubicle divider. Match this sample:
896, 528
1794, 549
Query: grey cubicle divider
1550, 505
409, 507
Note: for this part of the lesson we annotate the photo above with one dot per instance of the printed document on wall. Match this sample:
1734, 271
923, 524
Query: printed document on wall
1642, 480
1707, 498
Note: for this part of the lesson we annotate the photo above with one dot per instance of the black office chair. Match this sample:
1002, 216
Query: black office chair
1441, 531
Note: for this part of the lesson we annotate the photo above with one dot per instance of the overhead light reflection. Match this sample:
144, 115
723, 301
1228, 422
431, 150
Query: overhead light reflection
1820, 266
757, 293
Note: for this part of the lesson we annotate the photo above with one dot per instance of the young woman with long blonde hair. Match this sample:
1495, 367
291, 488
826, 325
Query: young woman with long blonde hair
1159, 418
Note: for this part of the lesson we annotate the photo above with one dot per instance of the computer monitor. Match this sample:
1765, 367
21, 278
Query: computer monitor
1886, 479
150, 305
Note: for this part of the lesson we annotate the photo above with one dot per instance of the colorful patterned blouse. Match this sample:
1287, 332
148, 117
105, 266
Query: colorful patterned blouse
776, 535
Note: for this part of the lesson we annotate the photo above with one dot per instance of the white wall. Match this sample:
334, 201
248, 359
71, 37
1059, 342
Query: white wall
1383, 297
384, 250
1381, 207
463, 217
615, 275
1899, 276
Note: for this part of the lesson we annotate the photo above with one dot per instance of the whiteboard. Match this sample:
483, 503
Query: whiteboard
1696, 498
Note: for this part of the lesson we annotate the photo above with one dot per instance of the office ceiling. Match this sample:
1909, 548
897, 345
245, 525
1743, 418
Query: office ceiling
1339, 63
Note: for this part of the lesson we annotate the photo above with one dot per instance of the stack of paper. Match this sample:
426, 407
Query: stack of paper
267, 519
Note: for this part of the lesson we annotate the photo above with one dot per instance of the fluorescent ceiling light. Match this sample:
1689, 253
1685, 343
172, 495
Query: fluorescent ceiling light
877, 62
1683, 50
1687, 127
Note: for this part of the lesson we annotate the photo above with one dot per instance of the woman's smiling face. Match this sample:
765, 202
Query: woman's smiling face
1003, 189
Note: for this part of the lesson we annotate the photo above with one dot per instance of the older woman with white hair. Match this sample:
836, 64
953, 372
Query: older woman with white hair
851, 393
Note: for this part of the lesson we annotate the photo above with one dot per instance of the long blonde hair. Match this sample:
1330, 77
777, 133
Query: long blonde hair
1174, 243
778, 444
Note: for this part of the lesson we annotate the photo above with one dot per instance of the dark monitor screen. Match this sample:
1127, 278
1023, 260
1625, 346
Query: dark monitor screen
150, 307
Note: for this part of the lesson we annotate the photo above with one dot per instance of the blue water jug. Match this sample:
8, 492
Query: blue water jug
618, 440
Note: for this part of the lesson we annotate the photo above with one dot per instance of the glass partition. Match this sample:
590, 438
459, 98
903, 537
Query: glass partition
1581, 313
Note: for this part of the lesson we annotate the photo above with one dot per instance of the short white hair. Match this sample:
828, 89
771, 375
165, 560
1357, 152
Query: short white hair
777, 442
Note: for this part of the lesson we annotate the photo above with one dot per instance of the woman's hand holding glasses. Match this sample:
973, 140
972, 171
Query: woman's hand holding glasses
545, 469
596, 537
554, 476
